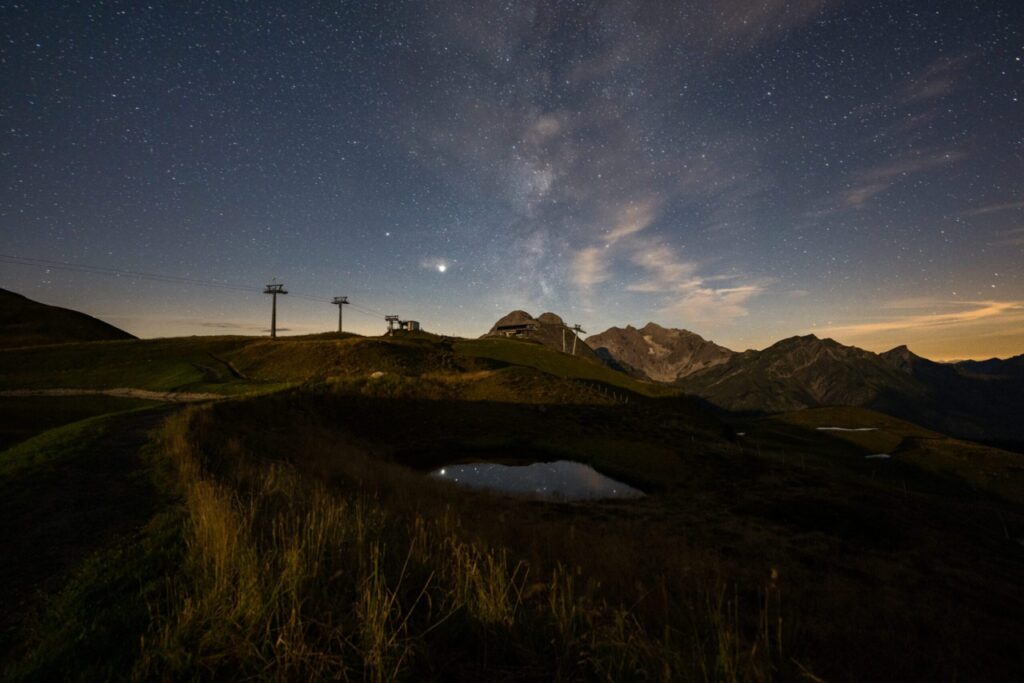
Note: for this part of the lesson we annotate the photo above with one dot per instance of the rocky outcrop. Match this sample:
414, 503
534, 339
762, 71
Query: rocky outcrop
549, 319
547, 329
658, 353
513, 318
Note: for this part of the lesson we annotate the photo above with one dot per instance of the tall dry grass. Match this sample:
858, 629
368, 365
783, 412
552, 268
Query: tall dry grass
287, 579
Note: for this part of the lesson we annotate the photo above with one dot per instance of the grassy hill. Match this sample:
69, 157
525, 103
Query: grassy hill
231, 365
913, 448
22, 417
532, 354
291, 531
24, 322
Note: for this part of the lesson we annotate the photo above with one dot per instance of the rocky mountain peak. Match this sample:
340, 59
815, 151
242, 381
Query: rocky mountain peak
808, 342
658, 353
902, 358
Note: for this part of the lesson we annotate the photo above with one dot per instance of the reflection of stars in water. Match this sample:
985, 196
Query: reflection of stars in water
561, 480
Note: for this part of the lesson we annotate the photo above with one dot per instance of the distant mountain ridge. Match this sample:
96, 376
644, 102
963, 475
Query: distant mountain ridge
24, 322
658, 353
974, 399
977, 399
804, 372
980, 400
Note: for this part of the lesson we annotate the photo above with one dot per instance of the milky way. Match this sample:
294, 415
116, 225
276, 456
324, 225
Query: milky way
745, 170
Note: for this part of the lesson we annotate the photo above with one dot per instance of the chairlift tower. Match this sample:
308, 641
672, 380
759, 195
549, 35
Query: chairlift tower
391, 320
340, 302
576, 331
273, 289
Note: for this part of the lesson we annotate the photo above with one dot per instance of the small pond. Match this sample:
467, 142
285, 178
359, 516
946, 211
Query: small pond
560, 480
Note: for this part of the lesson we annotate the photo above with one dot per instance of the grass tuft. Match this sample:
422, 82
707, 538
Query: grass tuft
285, 578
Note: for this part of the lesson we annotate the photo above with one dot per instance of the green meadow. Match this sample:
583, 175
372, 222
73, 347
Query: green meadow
291, 529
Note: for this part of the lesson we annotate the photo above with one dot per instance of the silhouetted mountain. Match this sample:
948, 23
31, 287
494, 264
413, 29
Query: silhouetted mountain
903, 358
547, 329
982, 400
657, 353
24, 322
996, 368
802, 372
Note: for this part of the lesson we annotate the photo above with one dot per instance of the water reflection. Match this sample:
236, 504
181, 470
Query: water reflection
560, 480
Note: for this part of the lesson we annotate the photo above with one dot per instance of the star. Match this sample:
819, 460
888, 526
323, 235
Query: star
733, 171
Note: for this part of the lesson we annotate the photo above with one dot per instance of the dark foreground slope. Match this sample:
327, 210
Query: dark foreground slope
64, 495
24, 322
303, 538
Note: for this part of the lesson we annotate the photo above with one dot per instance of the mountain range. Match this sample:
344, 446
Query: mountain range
657, 353
978, 400
981, 400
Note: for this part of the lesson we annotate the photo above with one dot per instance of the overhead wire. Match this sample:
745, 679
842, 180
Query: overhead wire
166, 279
116, 272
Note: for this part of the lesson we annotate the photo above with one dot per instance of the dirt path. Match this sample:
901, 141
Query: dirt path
124, 392
56, 514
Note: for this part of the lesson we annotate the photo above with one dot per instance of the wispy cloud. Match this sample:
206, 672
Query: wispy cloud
710, 305
993, 208
711, 32
919, 92
741, 25
967, 313
648, 265
938, 79
686, 295
905, 118
665, 270
1009, 238
543, 128
631, 219
595, 174
869, 182
589, 268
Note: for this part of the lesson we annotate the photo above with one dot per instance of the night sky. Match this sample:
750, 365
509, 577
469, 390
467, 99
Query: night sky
746, 170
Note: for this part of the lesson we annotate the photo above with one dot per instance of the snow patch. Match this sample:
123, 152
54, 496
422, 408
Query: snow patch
654, 348
878, 456
847, 429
